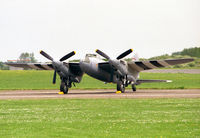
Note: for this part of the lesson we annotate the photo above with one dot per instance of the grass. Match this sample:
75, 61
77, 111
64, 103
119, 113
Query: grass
43, 80
100, 118
179, 81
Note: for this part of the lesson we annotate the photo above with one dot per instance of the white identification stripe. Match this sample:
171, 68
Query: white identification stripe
162, 62
33, 66
148, 64
134, 66
46, 67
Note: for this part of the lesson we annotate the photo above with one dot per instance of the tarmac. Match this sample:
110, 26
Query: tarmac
98, 94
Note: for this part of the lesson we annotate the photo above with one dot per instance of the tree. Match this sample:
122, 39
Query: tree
193, 52
3, 66
27, 58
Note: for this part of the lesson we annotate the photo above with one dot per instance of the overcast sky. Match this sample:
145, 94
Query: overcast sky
150, 27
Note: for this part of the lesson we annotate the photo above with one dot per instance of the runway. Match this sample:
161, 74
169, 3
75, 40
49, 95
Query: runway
98, 94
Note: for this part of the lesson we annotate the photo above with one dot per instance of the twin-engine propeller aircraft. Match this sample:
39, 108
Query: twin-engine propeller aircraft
117, 70
122, 72
69, 73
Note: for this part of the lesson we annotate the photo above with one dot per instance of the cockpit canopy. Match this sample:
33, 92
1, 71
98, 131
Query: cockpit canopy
91, 55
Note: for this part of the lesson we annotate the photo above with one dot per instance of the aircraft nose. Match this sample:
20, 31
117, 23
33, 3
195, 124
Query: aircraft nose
115, 63
84, 66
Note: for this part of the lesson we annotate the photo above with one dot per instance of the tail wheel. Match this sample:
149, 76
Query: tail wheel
133, 87
120, 87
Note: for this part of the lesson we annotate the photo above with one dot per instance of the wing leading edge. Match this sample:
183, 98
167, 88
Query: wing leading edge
153, 64
37, 66
74, 67
147, 65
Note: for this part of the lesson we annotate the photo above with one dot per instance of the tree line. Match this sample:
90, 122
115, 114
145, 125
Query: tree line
193, 52
23, 58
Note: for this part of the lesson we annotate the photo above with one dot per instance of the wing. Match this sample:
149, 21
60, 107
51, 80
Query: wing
74, 67
153, 64
37, 66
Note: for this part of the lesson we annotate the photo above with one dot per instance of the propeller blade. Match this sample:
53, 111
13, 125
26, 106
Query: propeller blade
125, 54
102, 54
68, 56
111, 75
54, 77
46, 55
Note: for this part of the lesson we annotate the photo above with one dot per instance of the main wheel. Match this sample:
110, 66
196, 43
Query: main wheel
62, 85
120, 87
133, 87
65, 89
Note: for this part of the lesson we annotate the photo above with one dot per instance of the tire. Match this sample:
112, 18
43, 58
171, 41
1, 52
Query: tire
62, 85
133, 88
65, 89
120, 87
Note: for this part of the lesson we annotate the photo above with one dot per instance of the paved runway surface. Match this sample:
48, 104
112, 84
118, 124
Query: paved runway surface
79, 94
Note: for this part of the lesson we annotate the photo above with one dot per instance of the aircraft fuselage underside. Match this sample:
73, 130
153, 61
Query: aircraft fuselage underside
93, 71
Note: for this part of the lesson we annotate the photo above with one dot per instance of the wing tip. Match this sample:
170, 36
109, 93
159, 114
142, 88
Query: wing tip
179, 61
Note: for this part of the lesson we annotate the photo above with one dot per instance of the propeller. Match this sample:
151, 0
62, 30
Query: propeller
46, 55
54, 77
125, 54
115, 63
102, 54
68, 56
119, 57
55, 64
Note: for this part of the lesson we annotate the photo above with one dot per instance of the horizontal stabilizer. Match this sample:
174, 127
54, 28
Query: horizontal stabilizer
151, 81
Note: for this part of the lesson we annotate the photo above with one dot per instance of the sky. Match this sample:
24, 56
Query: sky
149, 27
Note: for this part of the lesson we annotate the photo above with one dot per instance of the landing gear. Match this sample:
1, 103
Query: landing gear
64, 87
120, 87
65, 90
133, 87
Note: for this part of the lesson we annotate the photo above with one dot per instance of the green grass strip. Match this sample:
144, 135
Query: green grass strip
31, 79
100, 118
